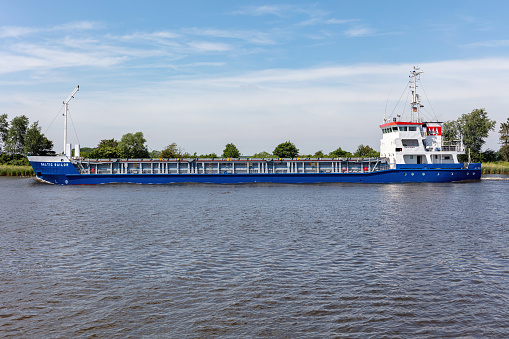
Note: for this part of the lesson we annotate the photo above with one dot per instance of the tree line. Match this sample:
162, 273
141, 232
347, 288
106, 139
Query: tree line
473, 128
133, 146
19, 139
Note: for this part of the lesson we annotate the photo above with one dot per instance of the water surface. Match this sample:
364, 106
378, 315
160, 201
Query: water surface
264, 260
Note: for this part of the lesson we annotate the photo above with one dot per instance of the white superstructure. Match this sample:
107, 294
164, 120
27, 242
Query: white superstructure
415, 141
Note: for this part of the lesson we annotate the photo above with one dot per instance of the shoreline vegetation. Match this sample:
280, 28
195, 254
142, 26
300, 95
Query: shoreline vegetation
16, 171
499, 167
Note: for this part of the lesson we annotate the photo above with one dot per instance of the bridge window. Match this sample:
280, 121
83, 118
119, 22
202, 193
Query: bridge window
412, 128
410, 142
403, 128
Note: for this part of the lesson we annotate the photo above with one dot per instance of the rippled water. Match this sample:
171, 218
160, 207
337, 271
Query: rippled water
286, 261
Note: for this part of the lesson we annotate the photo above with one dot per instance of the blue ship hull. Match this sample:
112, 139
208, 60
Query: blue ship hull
64, 173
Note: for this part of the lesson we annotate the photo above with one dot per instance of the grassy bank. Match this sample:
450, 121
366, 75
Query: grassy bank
499, 167
16, 171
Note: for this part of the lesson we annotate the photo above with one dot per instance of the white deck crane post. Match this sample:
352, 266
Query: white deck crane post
67, 150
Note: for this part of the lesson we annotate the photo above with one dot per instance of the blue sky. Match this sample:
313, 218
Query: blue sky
205, 73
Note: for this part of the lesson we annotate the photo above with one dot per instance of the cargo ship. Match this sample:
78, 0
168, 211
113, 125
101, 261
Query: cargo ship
411, 151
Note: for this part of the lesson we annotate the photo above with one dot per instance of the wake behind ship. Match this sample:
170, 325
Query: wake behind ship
411, 151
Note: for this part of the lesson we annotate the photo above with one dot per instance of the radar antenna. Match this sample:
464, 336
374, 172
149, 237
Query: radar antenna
414, 76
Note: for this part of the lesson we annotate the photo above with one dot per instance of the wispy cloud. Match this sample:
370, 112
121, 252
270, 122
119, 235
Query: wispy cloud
18, 32
79, 26
358, 31
205, 46
15, 32
252, 36
325, 21
489, 43
277, 10
158, 36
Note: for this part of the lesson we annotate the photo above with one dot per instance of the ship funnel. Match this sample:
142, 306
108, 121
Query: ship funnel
77, 151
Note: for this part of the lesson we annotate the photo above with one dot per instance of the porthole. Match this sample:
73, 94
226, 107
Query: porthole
411, 174
452, 173
423, 174
404, 174
438, 173
468, 173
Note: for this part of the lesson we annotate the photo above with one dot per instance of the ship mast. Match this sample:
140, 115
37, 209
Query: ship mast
416, 103
66, 104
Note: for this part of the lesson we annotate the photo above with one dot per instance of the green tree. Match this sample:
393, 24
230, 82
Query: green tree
106, 149
490, 156
286, 150
36, 143
504, 140
339, 153
366, 152
4, 130
209, 156
132, 145
85, 151
318, 154
16, 136
231, 151
171, 151
504, 152
108, 143
262, 155
155, 154
474, 127
450, 131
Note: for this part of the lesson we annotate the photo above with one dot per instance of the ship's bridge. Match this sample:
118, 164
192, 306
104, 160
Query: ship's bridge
406, 142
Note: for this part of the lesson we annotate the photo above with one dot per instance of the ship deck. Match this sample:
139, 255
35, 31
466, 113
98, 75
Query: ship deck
230, 166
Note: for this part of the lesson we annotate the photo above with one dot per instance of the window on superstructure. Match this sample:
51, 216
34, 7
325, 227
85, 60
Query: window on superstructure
412, 128
403, 128
395, 129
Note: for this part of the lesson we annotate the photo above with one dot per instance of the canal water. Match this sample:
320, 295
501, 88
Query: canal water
250, 261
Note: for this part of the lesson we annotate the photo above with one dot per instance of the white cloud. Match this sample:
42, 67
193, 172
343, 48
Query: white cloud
326, 21
277, 10
205, 46
15, 32
150, 36
358, 31
339, 22
18, 32
489, 43
25, 57
79, 26
252, 36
